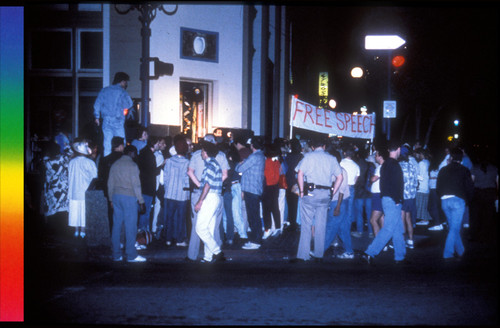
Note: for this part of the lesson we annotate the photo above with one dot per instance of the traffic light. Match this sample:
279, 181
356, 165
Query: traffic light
398, 61
161, 68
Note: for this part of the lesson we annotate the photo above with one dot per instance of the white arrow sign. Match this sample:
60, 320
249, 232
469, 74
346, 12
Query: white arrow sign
380, 42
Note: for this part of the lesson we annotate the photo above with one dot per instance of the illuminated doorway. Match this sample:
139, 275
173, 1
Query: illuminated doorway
194, 101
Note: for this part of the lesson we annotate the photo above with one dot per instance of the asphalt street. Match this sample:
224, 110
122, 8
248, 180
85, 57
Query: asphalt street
68, 283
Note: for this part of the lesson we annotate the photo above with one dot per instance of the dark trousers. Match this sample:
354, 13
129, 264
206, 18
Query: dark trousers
175, 216
228, 209
270, 205
482, 212
292, 201
434, 208
252, 203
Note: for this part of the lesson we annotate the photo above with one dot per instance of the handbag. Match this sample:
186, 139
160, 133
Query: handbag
160, 193
282, 182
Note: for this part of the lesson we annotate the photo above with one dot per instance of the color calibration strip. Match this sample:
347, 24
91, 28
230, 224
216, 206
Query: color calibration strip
11, 164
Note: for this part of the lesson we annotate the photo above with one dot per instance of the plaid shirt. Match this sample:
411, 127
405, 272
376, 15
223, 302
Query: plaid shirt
212, 174
252, 169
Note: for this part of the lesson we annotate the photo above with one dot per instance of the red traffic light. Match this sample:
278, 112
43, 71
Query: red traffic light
398, 61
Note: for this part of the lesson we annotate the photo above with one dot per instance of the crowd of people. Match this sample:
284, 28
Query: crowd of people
251, 189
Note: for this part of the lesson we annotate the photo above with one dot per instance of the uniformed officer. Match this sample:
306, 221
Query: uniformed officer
319, 169
110, 105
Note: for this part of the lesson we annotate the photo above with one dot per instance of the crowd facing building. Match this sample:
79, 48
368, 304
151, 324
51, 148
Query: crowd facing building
222, 190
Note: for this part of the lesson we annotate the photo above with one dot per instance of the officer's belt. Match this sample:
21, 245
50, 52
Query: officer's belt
321, 187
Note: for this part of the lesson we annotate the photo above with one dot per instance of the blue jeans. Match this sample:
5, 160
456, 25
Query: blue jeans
228, 215
350, 204
392, 229
453, 208
252, 203
109, 131
144, 218
359, 203
125, 210
238, 220
175, 215
338, 225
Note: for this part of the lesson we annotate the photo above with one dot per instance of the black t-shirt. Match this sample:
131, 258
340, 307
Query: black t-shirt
391, 180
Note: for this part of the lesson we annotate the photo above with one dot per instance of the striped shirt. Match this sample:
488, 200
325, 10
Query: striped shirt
197, 164
252, 170
212, 174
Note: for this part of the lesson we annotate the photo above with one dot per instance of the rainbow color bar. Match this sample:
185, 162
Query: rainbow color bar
11, 164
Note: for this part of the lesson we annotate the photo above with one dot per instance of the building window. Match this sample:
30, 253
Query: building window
89, 7
90, 50
51, 49
199, 45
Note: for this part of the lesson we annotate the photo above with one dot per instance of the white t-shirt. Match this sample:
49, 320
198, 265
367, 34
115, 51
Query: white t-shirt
375, 189
423, 176
352, 170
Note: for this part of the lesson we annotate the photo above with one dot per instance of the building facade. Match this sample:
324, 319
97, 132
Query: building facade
230, 67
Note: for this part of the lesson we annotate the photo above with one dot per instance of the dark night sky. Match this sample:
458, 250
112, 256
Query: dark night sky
451, 61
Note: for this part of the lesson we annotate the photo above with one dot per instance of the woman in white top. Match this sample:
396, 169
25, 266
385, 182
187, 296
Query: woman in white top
82, 170
377, 215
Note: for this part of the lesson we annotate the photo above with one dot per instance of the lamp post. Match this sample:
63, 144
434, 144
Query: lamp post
147, 13
389, 43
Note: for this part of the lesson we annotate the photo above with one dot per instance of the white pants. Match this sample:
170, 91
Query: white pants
205, 224
76, 215
156, 212
281, 202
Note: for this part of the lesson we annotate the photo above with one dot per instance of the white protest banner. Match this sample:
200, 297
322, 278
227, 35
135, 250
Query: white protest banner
309, 117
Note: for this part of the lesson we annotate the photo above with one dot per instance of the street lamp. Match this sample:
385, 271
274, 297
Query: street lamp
389, 43
357, 72
332, 103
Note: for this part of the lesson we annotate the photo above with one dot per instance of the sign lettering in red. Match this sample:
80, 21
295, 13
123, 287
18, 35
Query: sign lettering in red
307, 116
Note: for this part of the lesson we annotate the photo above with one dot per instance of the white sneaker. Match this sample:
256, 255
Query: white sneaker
183, 244
438, 227
138, 259
356, 234
267, 234
345, 256
251, 245
422, 222
276, 232
409, 244
139, 246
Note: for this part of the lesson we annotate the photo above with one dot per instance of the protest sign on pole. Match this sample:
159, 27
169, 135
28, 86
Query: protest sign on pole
306, 116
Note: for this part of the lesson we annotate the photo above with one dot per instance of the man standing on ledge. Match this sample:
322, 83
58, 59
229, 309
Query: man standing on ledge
391, 192
110, 105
